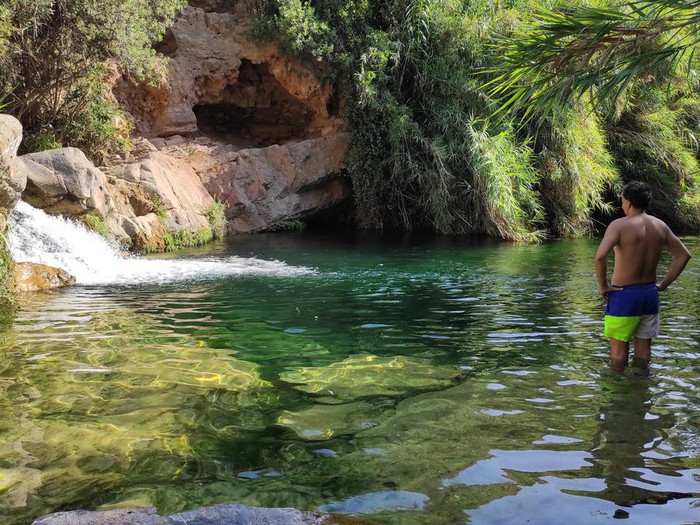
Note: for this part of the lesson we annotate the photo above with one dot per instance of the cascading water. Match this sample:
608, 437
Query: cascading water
41, 238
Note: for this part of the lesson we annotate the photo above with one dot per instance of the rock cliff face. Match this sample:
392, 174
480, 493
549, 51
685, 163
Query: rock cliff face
223, 84
139, 202
265, 187
262, 132
233, 120
12, 181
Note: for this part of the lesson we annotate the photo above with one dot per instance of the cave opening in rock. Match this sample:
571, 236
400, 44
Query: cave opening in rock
254, 111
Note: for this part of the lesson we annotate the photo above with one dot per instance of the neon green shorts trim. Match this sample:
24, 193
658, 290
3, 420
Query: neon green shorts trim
624, 328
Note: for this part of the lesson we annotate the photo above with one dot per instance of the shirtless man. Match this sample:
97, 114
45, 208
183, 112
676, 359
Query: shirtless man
632, 311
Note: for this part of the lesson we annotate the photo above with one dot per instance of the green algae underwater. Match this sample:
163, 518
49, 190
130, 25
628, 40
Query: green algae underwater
404, 380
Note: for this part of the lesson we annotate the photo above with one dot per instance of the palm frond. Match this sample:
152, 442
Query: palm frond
557, 56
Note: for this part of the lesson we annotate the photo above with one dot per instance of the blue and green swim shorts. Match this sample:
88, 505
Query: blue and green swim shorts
633, 312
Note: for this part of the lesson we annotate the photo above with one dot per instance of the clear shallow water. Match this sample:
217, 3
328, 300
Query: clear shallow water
407, 381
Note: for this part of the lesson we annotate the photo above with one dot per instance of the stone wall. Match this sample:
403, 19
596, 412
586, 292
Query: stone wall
222, 84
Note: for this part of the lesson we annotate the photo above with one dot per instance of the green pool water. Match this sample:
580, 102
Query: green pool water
407, 381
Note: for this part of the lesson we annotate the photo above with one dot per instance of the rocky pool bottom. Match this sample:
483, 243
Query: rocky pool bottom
394, 381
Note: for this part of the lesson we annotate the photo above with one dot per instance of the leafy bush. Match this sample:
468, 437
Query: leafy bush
216, 215
432, 149
51, 63
95, 223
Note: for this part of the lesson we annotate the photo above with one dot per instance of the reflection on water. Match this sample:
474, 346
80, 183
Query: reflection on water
408, 381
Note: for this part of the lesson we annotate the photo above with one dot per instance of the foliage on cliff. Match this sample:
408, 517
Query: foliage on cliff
438, 94
435, 148
52, 65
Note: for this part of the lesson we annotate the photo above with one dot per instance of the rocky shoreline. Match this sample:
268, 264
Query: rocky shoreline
234, 129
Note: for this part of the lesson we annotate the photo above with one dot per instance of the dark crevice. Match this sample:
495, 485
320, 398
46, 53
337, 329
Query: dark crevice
254, 111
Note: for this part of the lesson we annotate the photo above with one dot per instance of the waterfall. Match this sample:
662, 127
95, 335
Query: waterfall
41, 238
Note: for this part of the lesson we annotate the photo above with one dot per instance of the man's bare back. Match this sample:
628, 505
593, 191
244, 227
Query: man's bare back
638, 240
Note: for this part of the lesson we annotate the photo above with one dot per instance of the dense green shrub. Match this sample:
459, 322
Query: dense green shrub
433, 150
654, 140
52, 55
216, 216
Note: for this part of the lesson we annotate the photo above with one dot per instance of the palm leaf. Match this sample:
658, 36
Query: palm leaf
557, 56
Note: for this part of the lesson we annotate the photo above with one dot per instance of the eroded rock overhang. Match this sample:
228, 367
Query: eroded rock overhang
241, 112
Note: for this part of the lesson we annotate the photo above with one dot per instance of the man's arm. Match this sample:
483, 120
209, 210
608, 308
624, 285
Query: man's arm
681, 256
610, 240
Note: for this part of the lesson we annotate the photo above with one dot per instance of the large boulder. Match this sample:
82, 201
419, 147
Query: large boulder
170, 183
33, 277
12, 181
63, 182
263, 187
154, 195
139, 201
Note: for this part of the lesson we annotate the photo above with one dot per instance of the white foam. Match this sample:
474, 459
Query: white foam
41, 238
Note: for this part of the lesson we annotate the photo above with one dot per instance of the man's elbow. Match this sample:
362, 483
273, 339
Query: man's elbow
683, 257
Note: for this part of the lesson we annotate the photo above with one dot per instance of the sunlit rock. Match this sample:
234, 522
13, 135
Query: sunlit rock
262, 130
32, 277
159, 185
138, 201
222, 81
63, 181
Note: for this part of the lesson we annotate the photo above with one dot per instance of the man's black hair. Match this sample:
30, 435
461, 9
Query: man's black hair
638, 193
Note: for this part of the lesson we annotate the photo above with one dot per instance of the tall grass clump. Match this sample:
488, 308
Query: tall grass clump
412, 98
577, 170
504, 181
654, 140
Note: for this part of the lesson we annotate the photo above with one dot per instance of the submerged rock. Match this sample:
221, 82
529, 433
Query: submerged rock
366, 376
33, 277
227, 514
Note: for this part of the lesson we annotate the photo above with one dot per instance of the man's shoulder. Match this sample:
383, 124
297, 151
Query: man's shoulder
653, 219
658, 224
618, 223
